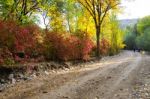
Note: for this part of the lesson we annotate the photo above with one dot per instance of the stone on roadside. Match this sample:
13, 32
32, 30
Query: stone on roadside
11, 76
27, 78
67, 64
33, 75
2, 81
13, 81
37, 74
2, 88
21, 76
47, 73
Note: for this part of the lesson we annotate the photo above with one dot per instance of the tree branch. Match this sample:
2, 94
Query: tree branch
90, 10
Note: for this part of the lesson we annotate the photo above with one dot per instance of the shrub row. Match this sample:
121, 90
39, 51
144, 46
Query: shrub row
26, 43
67, 47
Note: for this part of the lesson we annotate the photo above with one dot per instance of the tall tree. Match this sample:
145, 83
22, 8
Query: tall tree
99, 9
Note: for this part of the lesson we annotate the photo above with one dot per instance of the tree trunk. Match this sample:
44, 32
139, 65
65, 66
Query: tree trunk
98, 41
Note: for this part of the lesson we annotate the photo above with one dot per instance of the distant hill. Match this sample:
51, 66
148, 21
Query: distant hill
127, 22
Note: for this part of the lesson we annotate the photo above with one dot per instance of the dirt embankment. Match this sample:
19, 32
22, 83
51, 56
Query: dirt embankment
123, 76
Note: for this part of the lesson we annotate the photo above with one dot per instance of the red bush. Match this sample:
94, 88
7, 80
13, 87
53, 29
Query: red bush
68, 47
6, 57
104, 46
87, 48
25, 40
18, 38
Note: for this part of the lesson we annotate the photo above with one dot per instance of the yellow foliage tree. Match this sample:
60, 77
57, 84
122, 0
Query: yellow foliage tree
99, 9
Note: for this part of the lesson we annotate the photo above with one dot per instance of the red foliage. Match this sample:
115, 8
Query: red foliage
25, 40
104, 46
5, 54
18, 38
70, 47
22, 44
87, 48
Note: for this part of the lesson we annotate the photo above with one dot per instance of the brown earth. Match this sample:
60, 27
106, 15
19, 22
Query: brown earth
124, 76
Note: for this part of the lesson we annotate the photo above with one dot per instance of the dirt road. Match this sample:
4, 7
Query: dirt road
123, 76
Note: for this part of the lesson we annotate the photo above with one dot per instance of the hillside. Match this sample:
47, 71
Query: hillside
127, 22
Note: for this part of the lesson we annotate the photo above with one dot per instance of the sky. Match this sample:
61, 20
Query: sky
134, 9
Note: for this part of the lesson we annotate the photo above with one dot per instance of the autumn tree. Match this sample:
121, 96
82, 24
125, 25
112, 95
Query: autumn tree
116, 36
99, 9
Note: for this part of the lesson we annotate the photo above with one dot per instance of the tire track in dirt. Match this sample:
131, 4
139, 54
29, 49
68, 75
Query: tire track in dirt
99, 83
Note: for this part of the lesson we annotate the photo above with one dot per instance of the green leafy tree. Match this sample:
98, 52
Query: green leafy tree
19, 10
143, 24
143, 28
